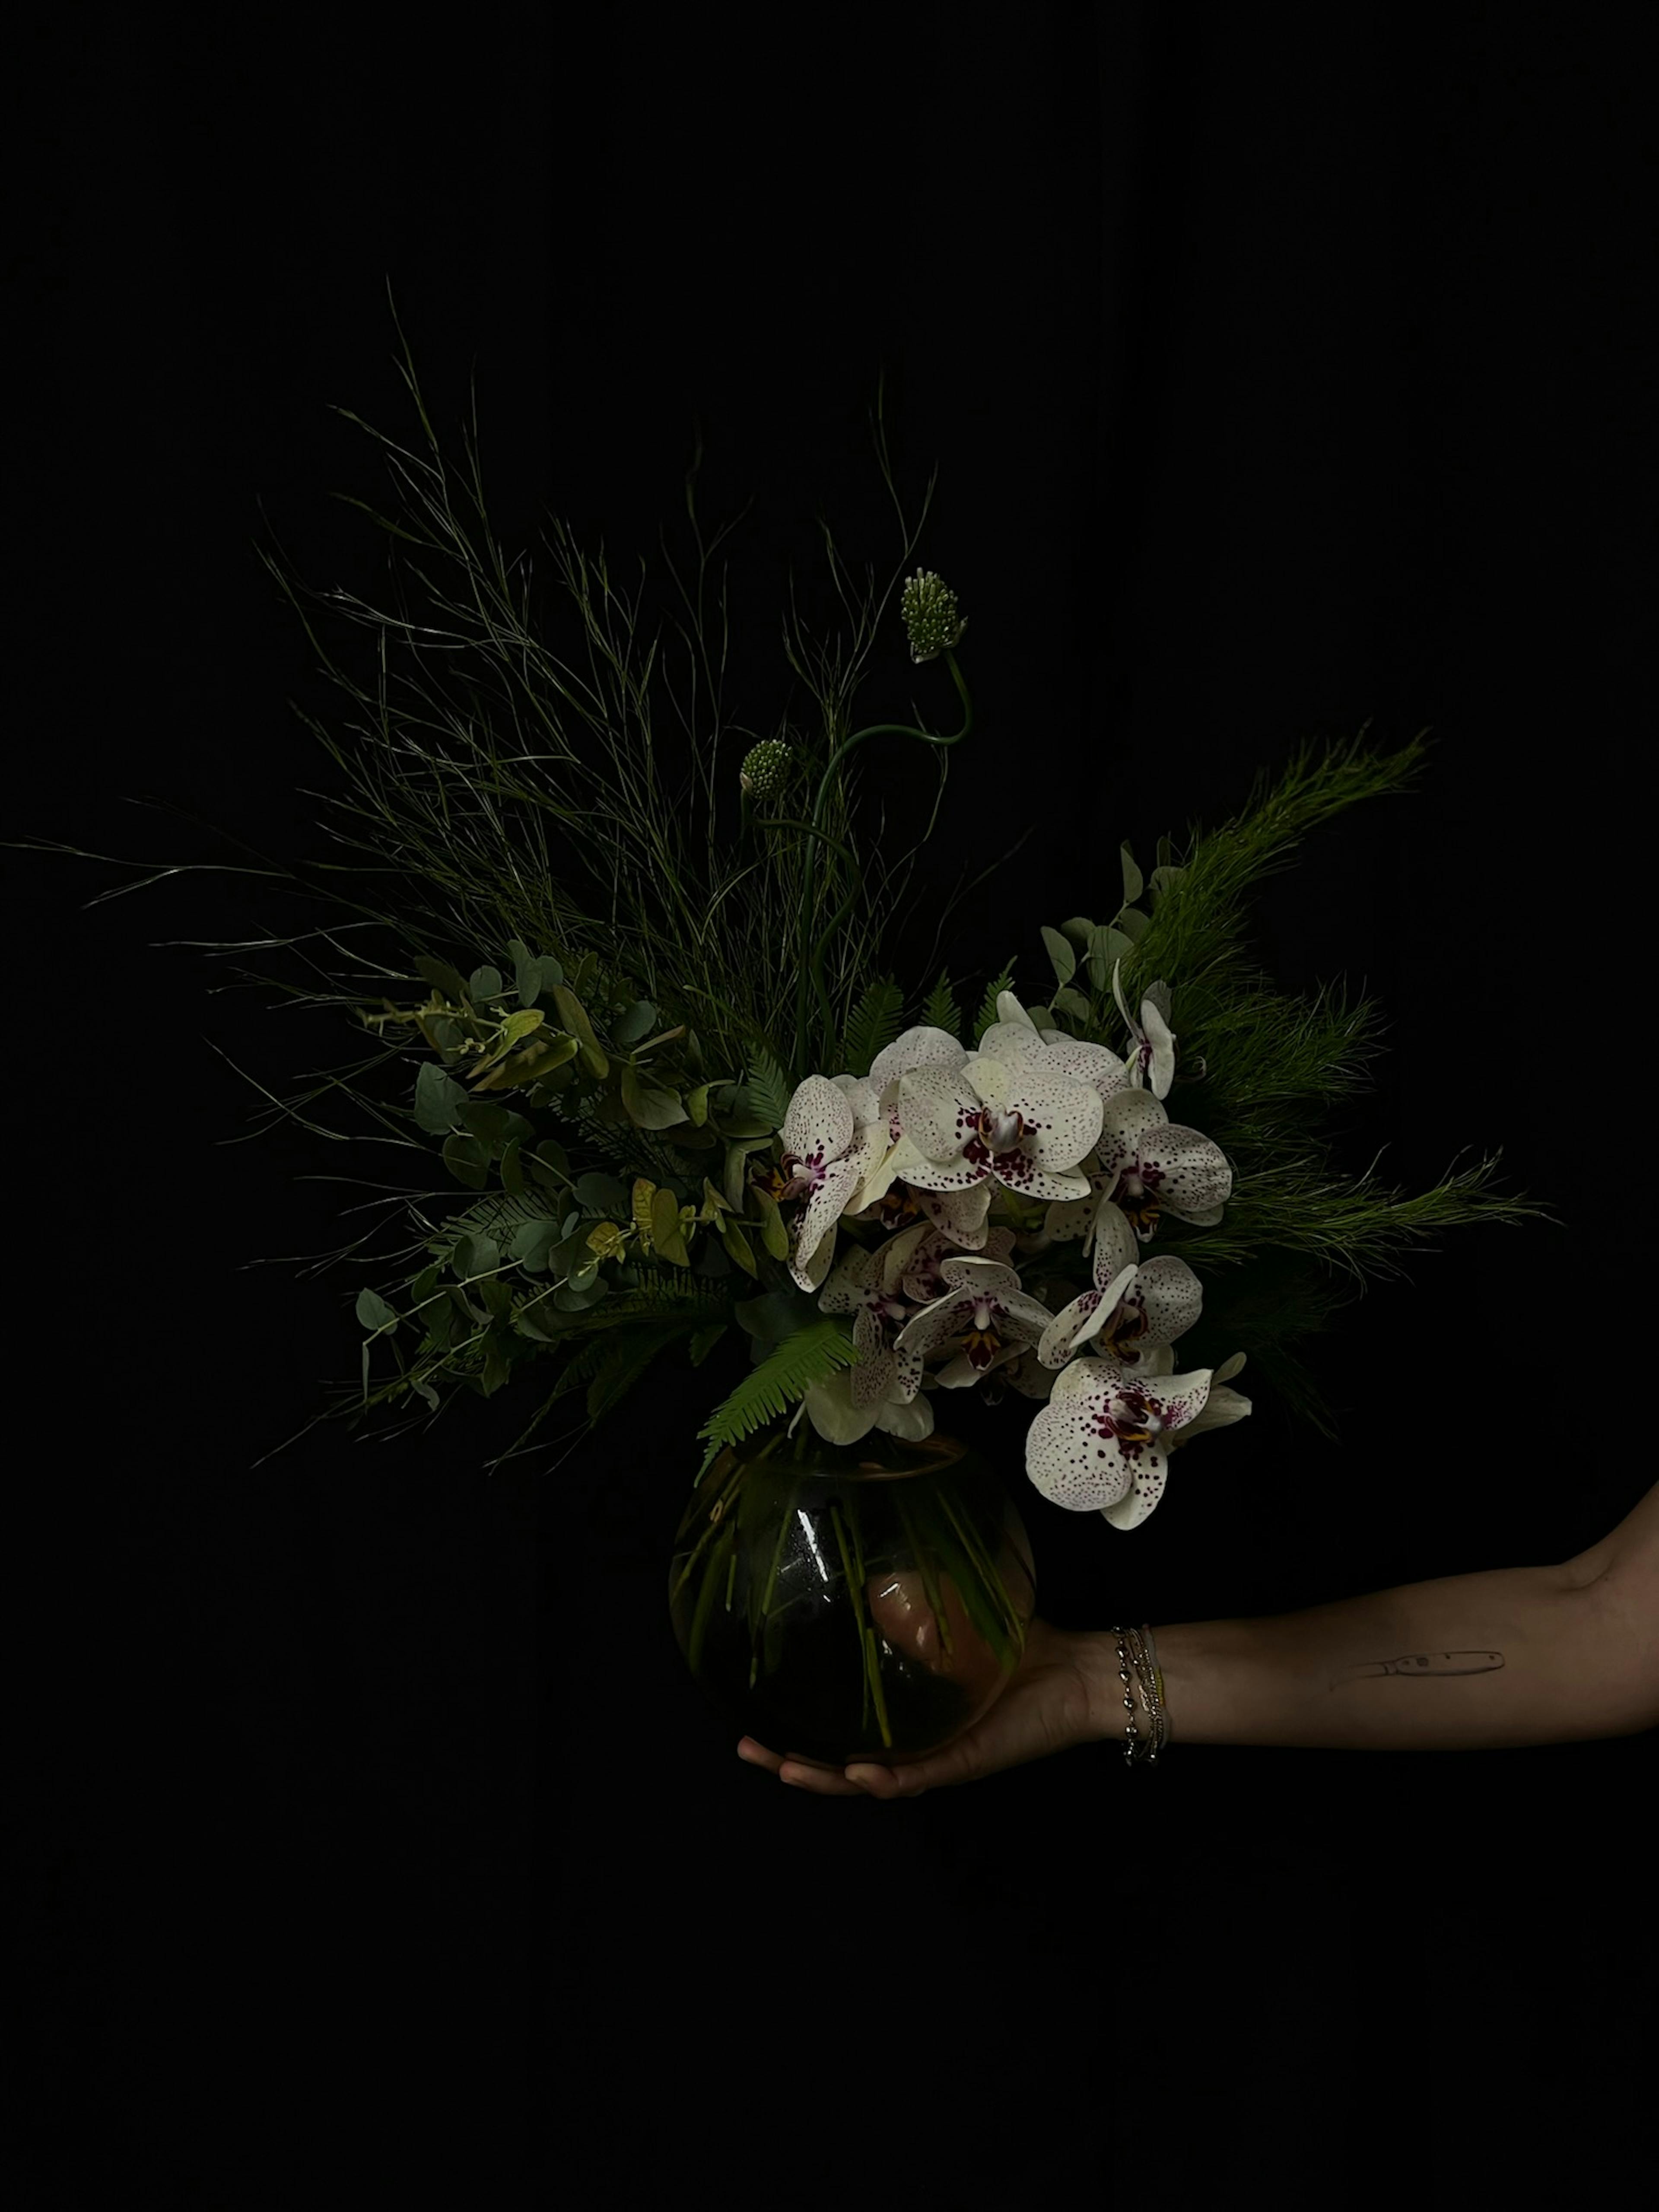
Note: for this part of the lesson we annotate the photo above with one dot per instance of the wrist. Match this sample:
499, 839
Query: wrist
1113, 1703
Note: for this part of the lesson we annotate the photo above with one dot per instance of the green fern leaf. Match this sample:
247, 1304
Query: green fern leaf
941, 1011
874, 1025
988, 1012
811, 1355
769, 1089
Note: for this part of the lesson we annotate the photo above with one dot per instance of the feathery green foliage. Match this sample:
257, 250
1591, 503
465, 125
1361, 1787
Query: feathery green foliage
874, 1025
987, 1011
941, 1011
602, 1062
811, 1355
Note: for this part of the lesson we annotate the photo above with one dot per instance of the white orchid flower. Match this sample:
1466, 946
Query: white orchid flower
1003, 1117
1152, 1063
827, 1151
1158, 1166
986, 1307
959, 1216
1015, 1034
860, 1284
834, 1412
1019, 1368
920, 1046
1221, 1408
918, 1267
1102, 1442
1131, 1309
962, 1213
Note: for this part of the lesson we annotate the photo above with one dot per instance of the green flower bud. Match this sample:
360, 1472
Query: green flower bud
930, 615
765, 767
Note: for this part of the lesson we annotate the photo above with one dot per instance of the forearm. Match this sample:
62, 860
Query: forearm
1513, 1656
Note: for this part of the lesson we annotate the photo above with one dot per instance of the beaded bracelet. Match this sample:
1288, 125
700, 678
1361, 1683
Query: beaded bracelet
1137, 1645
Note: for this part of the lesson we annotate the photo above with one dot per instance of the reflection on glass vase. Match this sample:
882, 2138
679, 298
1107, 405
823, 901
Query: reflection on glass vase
843, 1602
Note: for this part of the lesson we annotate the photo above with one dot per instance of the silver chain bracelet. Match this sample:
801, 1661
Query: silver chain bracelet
1136, 1646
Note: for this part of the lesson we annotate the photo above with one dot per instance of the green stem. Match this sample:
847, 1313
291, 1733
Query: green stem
812, 966
788, 822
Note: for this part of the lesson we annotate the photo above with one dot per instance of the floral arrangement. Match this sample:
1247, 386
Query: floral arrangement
878, 1200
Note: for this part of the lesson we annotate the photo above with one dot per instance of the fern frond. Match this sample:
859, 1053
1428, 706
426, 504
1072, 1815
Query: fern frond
811, 1355
768, 1088
496, 1215
685, 1300
941, 1011
988, 1012
874, 1025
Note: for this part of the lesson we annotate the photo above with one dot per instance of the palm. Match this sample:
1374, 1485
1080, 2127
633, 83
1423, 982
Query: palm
1045, 1707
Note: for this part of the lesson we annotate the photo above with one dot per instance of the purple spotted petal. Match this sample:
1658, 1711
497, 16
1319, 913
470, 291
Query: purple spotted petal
1103, 1071
936, 1109
920, 1047
1188, 1171
819, 1115
1170, 1296
1067, 1458
1062, 1116
821, 1213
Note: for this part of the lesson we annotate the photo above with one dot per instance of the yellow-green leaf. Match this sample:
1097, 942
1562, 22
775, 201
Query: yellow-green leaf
649, 1106
644, 1192
666, 1232
737, 1243
774, 1235
573, 1015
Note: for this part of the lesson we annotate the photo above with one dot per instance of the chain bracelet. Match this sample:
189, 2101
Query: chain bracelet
1135, 1646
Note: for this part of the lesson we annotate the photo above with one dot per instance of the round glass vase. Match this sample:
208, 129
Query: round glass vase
845, 1601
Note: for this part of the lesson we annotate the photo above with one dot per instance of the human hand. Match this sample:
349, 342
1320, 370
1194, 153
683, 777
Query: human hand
1045, 1708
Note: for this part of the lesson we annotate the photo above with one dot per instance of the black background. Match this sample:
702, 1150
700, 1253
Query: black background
1283, 373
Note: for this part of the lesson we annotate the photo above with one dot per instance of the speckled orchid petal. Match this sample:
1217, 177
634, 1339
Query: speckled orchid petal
1015, 1041
1103, 1071
920, 1046
860, 1096
1170, 1297
921, 1281
895, 1256
1124, 1120
1076, 1324
811, 1272
1096, 1446
1061, 1118
837, 1183
1151, 1063
1221, 1409
1078, 1217
873, 1379
1169, 1169
934, 1107
819, 1120
960, 1216
852, 1284
985, 1278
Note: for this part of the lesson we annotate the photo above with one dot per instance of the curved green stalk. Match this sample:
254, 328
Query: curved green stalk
813, 966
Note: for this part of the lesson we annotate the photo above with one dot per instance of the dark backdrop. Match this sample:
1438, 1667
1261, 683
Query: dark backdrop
1282, 375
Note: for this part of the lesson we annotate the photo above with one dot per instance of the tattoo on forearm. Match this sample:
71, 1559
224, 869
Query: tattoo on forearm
1426, 1662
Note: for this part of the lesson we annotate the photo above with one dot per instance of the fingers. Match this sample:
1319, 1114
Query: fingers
861, 1779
